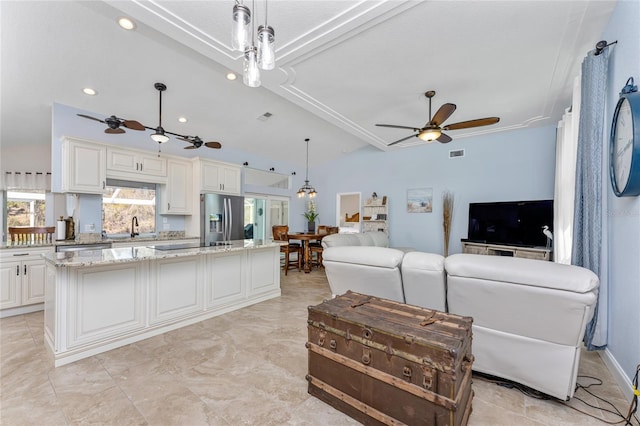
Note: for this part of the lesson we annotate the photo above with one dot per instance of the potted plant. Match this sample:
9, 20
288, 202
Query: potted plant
311, 215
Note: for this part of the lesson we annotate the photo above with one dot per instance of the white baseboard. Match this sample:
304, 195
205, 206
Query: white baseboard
618, 374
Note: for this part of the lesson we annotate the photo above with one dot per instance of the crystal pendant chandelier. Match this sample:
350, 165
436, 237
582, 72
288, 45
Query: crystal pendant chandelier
257, 57
306, 189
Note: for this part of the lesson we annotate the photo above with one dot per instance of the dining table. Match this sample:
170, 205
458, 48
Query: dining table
305, 238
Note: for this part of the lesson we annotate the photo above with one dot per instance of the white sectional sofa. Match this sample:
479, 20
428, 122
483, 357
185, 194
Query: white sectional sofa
529, 315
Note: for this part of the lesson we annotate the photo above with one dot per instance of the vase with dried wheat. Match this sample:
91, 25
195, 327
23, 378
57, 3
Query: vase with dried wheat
447, 214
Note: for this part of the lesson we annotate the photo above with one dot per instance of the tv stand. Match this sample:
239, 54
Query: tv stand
540, 253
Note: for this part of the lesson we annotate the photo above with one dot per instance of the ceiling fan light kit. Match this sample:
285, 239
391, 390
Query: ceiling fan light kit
433, 129
242, 39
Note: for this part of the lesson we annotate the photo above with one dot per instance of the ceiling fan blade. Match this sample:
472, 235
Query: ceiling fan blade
113, 131
90, 118
132, 124
472, 123
214, 145
191, 147
184, 138
415, 129
403, 139
444, 138
442, 114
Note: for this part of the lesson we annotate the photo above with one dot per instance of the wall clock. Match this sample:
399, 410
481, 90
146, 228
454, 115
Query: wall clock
624, 143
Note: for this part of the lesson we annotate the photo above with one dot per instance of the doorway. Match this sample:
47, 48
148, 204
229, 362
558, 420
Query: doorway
261, 212
348, 211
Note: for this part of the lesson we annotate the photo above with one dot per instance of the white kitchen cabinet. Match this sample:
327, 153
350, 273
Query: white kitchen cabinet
176, 288
109, 301
84, 167
225, 278
22, 279
136, 165
219, 177
264, 271
176, 194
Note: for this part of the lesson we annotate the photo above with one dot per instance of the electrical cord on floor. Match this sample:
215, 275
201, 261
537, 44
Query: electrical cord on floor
626, 420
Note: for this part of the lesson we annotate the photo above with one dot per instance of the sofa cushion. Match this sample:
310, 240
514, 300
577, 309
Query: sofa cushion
423, 280
368, 270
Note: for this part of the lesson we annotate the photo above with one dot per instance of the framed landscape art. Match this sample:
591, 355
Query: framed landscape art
419, 200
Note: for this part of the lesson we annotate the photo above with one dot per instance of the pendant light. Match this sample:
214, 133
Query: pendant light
306, 189
159, 135
258, 57
251, 73
266, 48
240, 27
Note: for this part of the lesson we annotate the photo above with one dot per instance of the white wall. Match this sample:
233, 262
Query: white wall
623, 214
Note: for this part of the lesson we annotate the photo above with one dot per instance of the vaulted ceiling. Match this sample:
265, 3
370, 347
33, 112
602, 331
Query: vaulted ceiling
342, 67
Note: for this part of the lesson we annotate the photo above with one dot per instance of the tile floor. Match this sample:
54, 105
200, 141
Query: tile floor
245, 367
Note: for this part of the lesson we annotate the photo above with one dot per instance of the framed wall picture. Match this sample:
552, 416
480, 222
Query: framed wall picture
419, 200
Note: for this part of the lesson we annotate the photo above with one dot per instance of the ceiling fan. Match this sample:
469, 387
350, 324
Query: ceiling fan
113, 124
160, 134
433, 129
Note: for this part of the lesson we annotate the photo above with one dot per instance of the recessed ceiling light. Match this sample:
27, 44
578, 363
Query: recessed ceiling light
231, 76
126, 23
182, 119
89, 91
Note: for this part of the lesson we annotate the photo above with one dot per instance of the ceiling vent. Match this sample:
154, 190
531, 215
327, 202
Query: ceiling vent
456, 153
265, 116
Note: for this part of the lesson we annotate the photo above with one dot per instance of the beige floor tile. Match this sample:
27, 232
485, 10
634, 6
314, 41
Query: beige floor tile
244, 367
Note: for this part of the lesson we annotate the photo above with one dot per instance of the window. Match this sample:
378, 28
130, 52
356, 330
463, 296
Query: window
122, 201
25, 208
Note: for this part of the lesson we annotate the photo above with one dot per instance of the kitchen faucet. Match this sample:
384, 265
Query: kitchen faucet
134, 222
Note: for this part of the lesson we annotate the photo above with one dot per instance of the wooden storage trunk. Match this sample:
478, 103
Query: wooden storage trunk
388, 363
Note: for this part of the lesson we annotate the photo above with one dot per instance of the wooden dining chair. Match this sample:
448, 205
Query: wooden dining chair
31, 235
316, 246
281, 233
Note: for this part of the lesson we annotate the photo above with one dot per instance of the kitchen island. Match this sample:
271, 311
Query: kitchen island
99, 300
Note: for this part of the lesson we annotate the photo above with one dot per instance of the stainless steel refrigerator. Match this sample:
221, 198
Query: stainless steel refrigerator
222, 219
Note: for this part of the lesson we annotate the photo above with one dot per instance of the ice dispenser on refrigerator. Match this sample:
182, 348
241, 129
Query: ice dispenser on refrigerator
222, 219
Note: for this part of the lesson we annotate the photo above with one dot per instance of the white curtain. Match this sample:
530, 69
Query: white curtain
565, 181
28, 180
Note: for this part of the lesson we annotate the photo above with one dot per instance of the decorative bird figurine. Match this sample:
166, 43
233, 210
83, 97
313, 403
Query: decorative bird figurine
548, 234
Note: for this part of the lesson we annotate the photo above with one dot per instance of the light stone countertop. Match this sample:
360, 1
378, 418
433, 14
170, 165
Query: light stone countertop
144, 252
143, 239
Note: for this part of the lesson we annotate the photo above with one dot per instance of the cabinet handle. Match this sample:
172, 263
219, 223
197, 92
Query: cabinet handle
25, 269
140, 166
168, 206
17, 270
103, 185
21, 254
137, 166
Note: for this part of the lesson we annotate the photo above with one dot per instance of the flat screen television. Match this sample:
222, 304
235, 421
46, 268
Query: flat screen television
517, 223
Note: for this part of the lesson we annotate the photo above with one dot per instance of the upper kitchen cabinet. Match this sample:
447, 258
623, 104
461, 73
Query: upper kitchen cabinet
136, 165
176, 194
218, 177
84, 168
